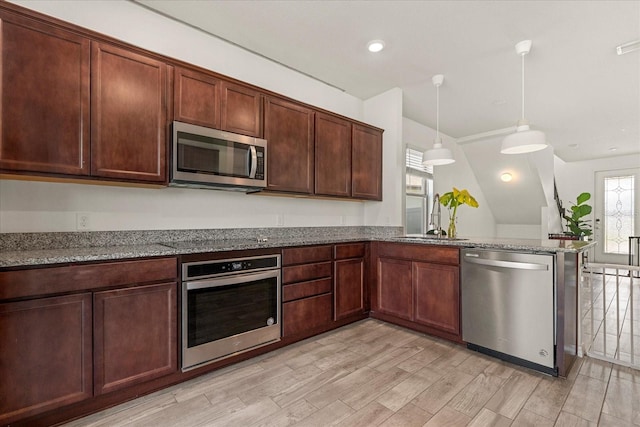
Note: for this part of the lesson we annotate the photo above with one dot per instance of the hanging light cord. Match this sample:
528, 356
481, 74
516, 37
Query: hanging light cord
523, 85
437, 114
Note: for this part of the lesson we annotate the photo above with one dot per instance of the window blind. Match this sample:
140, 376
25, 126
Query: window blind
413, 162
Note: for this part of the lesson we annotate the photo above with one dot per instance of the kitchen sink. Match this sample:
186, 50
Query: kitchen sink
430, 237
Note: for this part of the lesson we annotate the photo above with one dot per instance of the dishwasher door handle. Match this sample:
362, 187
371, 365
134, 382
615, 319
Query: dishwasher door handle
506, 264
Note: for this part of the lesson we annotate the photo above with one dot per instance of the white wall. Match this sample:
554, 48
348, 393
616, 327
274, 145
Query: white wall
579, 177
472, 222
38, 206
385, 111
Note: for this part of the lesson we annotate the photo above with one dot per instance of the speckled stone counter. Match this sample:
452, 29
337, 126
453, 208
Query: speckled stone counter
33, 249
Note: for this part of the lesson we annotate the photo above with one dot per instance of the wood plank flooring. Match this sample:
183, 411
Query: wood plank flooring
372, 373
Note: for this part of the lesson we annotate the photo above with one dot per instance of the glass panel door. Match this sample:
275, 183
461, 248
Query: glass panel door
616, 214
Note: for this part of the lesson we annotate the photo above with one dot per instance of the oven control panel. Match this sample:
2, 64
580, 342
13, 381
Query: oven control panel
214, 268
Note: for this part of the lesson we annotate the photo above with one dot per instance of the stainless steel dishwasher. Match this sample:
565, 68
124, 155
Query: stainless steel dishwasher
508, 306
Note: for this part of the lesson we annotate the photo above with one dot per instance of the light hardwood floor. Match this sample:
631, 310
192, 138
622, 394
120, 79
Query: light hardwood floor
375, 374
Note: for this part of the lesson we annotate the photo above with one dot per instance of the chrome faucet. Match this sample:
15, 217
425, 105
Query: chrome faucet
436, 215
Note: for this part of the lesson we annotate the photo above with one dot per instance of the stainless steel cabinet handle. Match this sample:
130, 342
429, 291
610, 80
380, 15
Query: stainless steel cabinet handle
507, 264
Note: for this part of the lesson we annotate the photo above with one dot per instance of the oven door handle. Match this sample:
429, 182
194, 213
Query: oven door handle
231, 280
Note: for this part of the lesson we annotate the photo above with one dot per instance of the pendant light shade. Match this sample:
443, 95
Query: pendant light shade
524, 140
438, 155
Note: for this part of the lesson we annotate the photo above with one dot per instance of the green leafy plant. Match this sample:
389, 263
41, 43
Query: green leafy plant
451, 201
575, 223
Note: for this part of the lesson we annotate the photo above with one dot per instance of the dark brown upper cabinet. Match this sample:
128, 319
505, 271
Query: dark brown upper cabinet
332, 156
128, 115
241, 109
74, 103
366, 166
205, 100
196, 98
289, 131
44, 98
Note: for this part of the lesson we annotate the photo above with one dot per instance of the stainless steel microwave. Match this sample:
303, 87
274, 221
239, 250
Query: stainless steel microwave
209, 158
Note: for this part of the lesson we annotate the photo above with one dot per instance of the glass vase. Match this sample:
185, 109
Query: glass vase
451, 231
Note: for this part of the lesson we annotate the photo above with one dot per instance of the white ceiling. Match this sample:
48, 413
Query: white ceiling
578, 91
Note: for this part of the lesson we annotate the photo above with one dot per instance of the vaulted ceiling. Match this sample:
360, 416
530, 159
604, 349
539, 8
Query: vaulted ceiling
583, 95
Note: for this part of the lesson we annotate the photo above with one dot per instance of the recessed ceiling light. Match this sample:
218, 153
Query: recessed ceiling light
506, 177
498, 102
613, 148
573, 145
375, 45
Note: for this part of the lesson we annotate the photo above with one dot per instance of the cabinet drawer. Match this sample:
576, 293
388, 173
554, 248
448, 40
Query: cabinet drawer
351, 250
306, 314
305, 289
78, 277
420, 252
301, 273
307, 254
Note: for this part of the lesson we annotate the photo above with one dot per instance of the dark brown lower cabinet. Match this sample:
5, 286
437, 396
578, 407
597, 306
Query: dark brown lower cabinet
306, 314
394, 290
349, 291
134, 335
418, 286
307, 297
45, 355
437, 296
70, 333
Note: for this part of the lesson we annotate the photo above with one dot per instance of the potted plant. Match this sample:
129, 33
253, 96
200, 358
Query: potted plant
579, 227
451, 201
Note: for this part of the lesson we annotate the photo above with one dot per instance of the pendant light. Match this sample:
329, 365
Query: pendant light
437, 155
524, 140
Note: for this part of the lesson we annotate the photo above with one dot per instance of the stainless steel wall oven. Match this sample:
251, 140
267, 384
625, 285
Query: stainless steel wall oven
228, 307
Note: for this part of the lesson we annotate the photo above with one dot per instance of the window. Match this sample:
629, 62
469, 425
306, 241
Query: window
618, 213
418, 191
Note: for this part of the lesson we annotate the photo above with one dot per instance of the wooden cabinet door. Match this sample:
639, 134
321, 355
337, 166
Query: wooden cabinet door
393, 288
332, 156
46, 359
44, 90
135, 333
305, 314
437, 296
128, 115
366, 164
288, 129
241, 109
195, 98
349, 288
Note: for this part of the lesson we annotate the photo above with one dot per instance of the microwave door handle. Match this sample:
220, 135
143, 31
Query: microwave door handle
253, 162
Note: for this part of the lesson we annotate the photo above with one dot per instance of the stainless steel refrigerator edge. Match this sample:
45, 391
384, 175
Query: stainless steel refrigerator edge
509, 306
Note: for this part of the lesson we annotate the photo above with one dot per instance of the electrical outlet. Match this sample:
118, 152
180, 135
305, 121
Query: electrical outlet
343, 220
83, 221
280, 220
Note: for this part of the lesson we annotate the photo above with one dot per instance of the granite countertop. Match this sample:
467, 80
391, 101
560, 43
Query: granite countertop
50, 256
